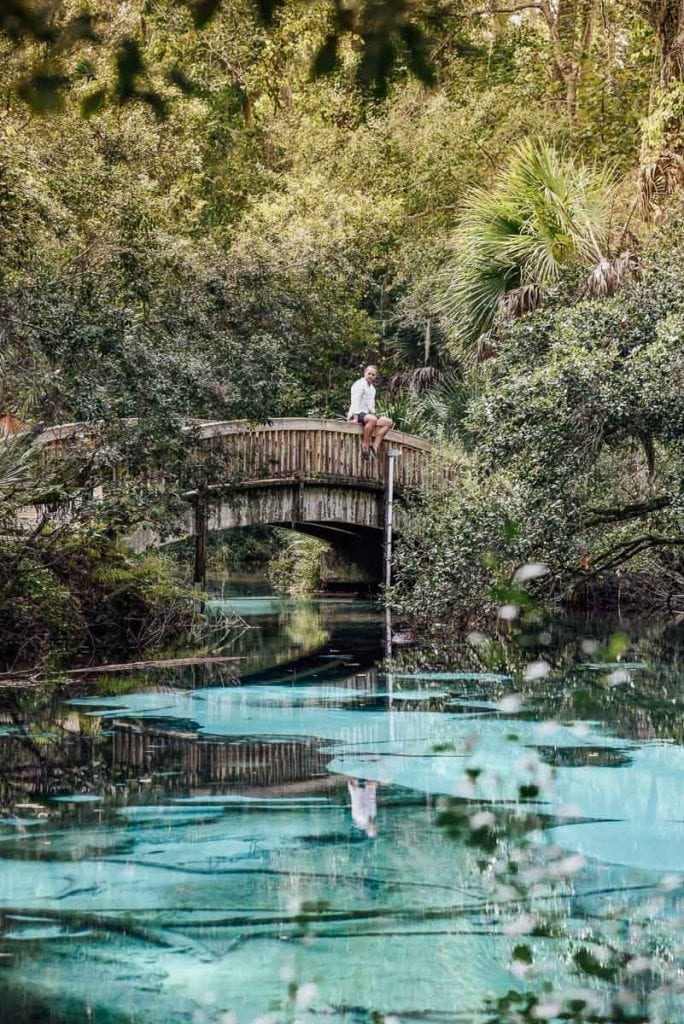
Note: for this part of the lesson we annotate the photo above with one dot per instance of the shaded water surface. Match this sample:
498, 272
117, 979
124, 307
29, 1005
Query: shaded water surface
259, 839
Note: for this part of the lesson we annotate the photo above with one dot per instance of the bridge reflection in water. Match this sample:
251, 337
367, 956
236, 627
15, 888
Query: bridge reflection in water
170, 756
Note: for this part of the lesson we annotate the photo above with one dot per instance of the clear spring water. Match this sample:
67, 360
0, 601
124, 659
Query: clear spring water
258, 839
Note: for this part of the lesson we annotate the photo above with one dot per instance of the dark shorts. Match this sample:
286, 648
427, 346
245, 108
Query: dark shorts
362, 416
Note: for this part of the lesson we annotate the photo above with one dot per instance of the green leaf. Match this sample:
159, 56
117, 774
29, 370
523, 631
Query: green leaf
523, 954
416, 47
528, 792
43, 91
93, 102
327, 57
203, 11
617, 645
587, 962
511, 531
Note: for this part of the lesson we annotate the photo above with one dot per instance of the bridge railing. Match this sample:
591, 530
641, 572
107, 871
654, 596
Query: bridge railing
313, 449
293, 448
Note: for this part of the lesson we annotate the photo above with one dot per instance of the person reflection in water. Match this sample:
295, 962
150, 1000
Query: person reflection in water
364, 808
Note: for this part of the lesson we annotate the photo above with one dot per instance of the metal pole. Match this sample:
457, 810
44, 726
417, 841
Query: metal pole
392, 455
200, 567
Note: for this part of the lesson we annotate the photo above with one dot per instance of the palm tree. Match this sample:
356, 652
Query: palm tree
545, 214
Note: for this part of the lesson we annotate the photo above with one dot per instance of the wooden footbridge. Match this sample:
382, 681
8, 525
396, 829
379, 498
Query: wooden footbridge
302, 473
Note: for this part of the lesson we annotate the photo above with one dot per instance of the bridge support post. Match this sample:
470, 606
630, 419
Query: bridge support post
200, 567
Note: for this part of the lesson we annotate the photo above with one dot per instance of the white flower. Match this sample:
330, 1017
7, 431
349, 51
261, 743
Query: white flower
668, 883
476, 640
508, 612
528, 763
509, 705
536, 670
620, 675
569, 811
568, 866
465, 788
521, 925
545, 1011
530, 571
520, 969
639, 964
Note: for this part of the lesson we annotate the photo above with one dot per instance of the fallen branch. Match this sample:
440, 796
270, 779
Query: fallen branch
159, 663
25, 678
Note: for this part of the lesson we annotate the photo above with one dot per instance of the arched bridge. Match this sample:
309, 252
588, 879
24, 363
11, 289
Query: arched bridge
297, 471
303, 473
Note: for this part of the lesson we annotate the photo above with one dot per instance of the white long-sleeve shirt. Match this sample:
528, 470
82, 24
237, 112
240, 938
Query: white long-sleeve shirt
362, 398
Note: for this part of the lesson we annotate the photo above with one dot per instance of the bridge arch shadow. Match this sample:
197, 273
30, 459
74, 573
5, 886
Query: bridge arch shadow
356, 547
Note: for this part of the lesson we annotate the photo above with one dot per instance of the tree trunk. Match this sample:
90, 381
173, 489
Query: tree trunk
570, 24
671, 42
667, 20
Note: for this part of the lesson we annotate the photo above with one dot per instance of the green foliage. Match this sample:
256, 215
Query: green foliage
66, 596
575, 435
296, 570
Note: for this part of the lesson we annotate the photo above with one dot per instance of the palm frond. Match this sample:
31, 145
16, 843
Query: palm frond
413, 381
519, 301
610, 273
545, 213
658, 180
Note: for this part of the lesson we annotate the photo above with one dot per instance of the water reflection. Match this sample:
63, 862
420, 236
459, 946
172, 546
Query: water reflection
281, 632
182, 846
364, 805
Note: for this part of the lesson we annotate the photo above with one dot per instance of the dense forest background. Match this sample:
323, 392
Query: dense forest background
224, 210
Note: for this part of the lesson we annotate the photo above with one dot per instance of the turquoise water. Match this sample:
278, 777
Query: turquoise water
259, 840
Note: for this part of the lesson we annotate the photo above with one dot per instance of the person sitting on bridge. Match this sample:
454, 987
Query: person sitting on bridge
362, 410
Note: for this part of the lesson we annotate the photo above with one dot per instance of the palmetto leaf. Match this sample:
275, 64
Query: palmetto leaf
545, 213
18, 458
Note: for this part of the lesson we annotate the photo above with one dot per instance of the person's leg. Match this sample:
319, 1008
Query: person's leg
368, 429
383, 425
